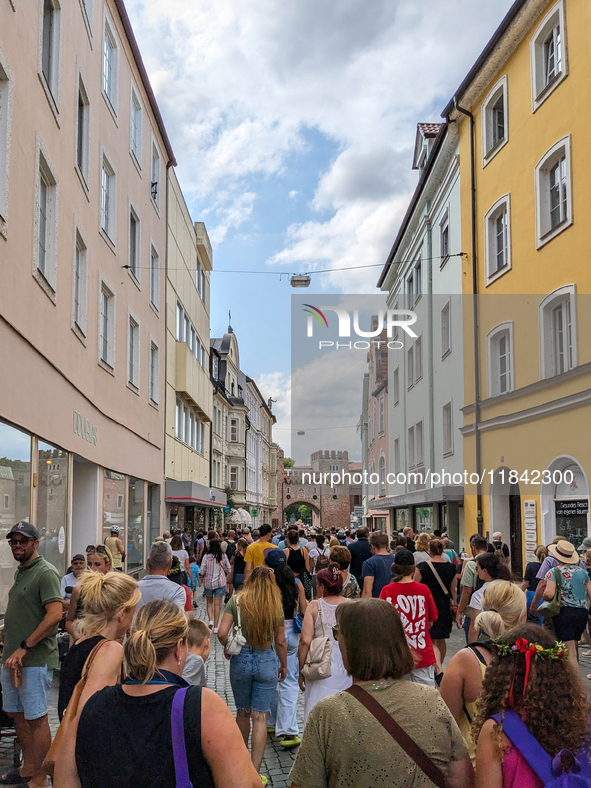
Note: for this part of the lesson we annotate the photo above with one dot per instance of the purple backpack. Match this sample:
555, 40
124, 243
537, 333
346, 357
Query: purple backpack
549, 770
179, 751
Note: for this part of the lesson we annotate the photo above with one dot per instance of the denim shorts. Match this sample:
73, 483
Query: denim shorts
253, 676
32, 698
215, 591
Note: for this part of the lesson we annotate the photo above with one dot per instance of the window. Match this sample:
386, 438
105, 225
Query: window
106, 325
494, 121
381, 425
500, 359
444, 238
135, 128
82, 131
133, 353
445, 330
200, 281
558, 335
46, 224
382, 475
154, 371
410, 373
553, 192
410, 291
154, 278
233, 477
134, 244
448, 445
108, 206
418, 281
419, 442
185, 332
110, 65
50, 45
411, 447
5, 89
80, 280
189, 427
233, 430
396, 386
397, 455
418, 358
497, 239
548, 55
155, 176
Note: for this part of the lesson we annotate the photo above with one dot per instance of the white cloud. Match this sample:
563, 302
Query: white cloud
293, 194
278, 386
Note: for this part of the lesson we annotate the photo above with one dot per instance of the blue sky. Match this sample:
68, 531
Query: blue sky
293, 126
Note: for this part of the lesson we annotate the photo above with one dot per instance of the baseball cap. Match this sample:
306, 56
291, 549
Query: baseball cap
28, 529
275, 557
404, 558
78, 557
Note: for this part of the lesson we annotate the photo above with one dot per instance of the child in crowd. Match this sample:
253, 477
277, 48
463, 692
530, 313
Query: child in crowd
194, 579
199, 643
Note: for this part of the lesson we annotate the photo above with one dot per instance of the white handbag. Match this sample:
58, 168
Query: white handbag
235, 639
318, 663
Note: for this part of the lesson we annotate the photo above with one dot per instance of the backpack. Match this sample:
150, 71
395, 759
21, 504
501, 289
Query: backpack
549, 770
500, 553
322, 561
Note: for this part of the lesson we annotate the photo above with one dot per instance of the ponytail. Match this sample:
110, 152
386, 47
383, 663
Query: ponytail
157, 628
104, 596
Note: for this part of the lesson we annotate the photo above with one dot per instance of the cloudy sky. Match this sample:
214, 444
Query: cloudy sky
293, 125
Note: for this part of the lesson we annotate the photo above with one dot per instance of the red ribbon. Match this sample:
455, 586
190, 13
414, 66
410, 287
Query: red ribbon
522, 646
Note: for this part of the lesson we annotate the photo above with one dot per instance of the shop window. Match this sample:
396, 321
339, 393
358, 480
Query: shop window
135, 525
114, 490
52, 504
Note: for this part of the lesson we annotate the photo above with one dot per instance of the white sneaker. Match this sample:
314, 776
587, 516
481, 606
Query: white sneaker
215, 631
211, 624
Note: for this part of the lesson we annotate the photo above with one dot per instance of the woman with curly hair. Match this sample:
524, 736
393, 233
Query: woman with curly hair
530, 675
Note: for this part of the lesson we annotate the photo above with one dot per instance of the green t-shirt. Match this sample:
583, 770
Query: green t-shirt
231, 609
344, 746
36, 583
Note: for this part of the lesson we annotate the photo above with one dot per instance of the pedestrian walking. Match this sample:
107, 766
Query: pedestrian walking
346, 744
238, 564
156, 585
283, 717
360, 551
417, 610
257, 612
530, 672
116, 548
255, 552
489, 567
198, 648
216, 571
342, 557
319, 554
468, 583
499, 548
30, 653
299, 561
441, 579
422, 548
377, 570
319, 620
139, 712
503, 608
178, 549
530, 578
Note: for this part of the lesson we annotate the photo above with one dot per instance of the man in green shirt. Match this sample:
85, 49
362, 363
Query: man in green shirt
30, 651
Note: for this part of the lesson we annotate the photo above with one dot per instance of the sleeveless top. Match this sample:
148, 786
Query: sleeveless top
327, 618
71, 670
111, 545
239, 564
296, 561
469, 710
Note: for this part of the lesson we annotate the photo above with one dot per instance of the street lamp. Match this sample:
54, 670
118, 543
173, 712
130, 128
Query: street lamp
300, 280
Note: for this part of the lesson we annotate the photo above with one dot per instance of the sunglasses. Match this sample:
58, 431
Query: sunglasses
20, 542
99, 548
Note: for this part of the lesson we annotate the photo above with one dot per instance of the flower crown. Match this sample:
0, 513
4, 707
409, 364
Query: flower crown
523, 646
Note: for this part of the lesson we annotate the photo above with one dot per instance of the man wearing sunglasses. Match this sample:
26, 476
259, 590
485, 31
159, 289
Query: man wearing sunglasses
30, 652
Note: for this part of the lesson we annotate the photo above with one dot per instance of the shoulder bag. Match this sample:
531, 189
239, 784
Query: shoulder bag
453, 606
551, 608
410, 747
318, 664
179, 749
235, 639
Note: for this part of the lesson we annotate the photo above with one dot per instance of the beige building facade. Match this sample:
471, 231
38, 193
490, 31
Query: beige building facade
83, 162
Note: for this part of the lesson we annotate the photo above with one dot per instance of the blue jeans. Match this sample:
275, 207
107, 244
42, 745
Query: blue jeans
253, 677
284, 707
530, 598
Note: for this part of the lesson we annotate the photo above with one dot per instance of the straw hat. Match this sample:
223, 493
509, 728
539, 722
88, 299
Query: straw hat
564, 552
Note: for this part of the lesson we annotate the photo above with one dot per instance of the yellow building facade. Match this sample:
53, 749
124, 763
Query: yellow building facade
524, 126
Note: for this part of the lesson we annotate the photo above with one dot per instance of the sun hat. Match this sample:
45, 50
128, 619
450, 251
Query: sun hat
564, 552
585, 545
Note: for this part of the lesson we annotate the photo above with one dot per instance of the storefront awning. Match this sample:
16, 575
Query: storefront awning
193, 494
239, 517
420, 498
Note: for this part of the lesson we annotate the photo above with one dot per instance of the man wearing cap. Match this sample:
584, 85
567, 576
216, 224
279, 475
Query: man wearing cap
115, 545
30, 652
255, 553
78, 564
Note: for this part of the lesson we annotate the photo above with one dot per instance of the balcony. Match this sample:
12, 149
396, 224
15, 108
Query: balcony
192, 381
203, 245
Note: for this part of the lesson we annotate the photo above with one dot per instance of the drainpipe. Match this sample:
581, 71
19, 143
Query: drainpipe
431, 409
479, 518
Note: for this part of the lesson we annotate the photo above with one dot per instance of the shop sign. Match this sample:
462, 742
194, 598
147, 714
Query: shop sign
86, 430
529, 508
227, 509
572, 508
255, 512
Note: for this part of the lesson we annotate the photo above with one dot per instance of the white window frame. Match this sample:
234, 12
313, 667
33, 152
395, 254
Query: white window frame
396, 386
134, 249
6, 92
108, 227
447, 427
154, 277
417, 274
492, 347
155, 174
381, 415
418, 358
419, 443
82, 152
49, 74
565, 296
540, 88
503, 204
154, 373
382, 475
133, 352
446, 329
544, 231
490, 145
233, 430
110, 91
200, 280
444, 253
234, 473
136, 113
47, 277
80, 285
410, 367
107, 289
411, 446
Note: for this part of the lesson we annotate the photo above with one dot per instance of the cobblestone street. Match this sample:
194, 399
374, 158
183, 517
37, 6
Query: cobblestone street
277, 762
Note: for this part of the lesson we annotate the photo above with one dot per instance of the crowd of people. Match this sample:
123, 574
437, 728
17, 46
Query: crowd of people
358, 622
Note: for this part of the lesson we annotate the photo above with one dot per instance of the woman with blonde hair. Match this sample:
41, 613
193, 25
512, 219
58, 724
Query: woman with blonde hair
98, 559
256, 610
117, 722
504, 606
422, 548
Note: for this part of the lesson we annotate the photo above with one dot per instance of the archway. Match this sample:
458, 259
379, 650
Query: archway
505, 515
565, 501
302, 510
